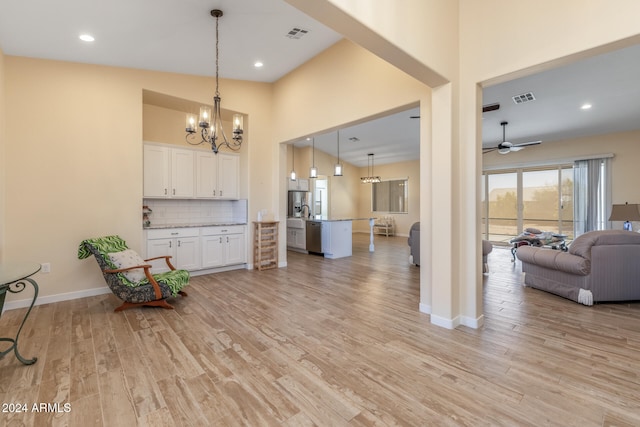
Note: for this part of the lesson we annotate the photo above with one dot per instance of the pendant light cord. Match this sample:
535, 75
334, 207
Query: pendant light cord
217, 54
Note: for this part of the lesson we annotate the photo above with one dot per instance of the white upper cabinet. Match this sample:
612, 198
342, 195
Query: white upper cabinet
217, 175
182, 180
168, 172
156, 171
228, 176
206, 174
299, 184
185, 173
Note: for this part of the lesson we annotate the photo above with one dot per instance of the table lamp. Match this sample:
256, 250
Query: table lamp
626, 213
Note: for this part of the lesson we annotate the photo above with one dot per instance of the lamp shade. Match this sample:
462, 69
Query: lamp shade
625, 212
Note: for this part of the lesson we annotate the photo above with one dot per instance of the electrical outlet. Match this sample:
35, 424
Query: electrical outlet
46, 267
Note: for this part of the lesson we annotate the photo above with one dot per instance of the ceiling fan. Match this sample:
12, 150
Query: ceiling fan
505, 147
485, 109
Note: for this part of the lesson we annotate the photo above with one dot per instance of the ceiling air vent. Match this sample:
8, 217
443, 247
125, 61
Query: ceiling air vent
525, 97
296, 33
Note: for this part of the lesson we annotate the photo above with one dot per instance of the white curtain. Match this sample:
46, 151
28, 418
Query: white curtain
591, 195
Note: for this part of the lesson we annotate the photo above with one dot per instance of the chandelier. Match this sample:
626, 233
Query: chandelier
211, 130
370, 179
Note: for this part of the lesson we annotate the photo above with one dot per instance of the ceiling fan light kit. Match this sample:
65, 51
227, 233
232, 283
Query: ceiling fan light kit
505, 147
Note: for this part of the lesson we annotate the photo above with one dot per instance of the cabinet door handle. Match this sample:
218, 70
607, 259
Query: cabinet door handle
165, 191
220, 193
220, 239
227, 239
178, 243
174, 191
175, 233
169, 243
214, 192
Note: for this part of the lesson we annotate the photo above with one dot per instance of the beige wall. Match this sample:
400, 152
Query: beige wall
418, 36
349, 198
2, 157
400, 170
73, 170
343, 85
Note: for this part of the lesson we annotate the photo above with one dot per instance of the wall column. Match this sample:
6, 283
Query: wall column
444, 280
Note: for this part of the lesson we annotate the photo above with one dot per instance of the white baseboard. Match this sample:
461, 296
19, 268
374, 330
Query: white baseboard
424, 308
471, 322
452, 323
444, 322
12, 305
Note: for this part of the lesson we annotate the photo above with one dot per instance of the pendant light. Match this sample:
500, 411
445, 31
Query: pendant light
313, 171
370, 178
293, 163
337, 169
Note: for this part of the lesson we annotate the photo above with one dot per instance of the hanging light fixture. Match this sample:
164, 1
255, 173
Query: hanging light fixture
313, 171
293, 163
337, 168
370, 178
211, 130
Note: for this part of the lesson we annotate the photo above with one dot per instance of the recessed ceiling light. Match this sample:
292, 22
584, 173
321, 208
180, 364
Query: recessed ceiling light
585, 106
86, 38
258, 64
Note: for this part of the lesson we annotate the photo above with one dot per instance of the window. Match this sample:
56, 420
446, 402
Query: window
539, 198
501, 224
390, 196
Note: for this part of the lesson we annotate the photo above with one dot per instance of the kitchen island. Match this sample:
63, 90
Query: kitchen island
336, 236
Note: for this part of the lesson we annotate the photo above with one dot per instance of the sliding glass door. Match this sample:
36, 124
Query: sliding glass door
501, 222
527, 198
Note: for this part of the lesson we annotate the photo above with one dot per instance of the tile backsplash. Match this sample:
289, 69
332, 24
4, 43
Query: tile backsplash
180, 212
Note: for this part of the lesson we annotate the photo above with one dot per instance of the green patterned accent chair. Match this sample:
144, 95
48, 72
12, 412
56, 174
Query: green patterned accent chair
129, 276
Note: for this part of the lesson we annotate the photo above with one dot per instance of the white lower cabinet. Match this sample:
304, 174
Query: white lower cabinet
182, 244
222, 246
197, 248
297, 238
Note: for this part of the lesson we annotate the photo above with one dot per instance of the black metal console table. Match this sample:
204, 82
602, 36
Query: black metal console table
13, 278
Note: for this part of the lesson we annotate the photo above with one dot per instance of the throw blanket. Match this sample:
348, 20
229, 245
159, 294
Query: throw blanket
102, 246
536, 237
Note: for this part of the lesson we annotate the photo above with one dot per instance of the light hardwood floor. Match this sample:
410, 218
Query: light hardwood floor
328, 343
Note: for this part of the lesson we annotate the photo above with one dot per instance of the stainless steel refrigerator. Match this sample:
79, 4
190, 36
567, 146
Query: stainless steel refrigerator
298, 206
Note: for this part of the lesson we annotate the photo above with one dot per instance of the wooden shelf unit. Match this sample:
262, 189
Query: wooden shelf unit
265, 245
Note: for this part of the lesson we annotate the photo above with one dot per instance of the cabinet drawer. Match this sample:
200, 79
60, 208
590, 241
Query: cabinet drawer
167, 233
230, 229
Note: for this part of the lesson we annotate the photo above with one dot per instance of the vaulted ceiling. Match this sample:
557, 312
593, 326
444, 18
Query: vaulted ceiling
178, 36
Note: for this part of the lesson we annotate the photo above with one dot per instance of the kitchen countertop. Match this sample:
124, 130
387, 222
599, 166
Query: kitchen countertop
340, 219
330, 219
208, 224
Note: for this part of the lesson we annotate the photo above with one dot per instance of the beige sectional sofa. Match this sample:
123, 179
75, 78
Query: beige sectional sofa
599, 266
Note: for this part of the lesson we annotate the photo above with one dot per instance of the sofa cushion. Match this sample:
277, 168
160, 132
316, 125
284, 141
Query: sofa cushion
581, 246
555, 260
